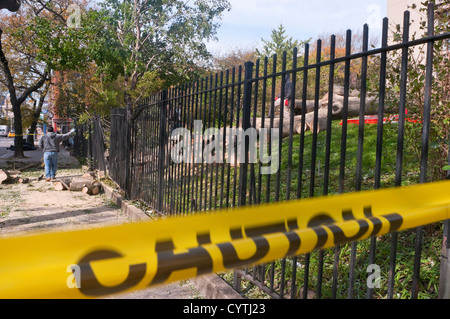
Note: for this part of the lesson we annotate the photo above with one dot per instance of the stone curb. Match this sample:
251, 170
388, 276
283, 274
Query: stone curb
210, 286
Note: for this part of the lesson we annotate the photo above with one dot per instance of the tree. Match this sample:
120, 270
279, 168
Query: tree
18, 96
85, 93
164, 37
278, 43
415, 88
37, 109
36, 42
233, 58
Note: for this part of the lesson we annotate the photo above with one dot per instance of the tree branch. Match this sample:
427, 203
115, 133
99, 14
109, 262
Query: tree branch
7, 72
34, 87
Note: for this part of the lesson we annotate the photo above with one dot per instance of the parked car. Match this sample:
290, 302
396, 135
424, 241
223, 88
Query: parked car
12, 133
4, 130
26, 146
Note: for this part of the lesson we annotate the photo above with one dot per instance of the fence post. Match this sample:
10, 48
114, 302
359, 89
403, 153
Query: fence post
128, 123
246, 110
243, 167
444, 275
89, 150
162, 157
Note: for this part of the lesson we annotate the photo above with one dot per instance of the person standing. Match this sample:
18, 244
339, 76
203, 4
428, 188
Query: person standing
50, 143
288, 97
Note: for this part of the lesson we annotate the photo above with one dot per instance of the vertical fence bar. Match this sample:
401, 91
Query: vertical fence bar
291, 125
444, 273
314, 156
208, 96
162, 142
401, 111
302, 122
402, 102
227, 78
189, 125
246, 109
202, 107
348, 46
233, 81
238, 110
315, 121
425, 143
213, 164
184, 171
220, 151
362, 109
263, 124
328, 152
194, 203
300, 159
271, 114
253, 196
280, 125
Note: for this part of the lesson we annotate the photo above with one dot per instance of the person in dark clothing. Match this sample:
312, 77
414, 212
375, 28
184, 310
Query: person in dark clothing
50, 143
288, 94
288, 90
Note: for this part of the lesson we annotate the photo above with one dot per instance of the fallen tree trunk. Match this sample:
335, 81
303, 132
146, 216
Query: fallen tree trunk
4, 176
78, 183
276, 124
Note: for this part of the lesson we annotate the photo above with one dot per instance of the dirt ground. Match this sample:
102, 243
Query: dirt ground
37, 206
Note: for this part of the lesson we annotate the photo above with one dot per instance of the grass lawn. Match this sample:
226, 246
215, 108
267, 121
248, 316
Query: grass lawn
200, 183
325, 264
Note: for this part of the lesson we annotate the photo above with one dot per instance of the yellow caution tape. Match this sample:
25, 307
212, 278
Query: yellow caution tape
26, 134
97, 262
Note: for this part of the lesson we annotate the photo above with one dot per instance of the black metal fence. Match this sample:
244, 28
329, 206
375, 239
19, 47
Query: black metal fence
315, 150
90, 143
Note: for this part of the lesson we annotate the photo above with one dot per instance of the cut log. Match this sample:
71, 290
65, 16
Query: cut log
78, 183
4, 176
24, 180
92, 189
65, 183
95, 190
87, 189
59, 186
88, 175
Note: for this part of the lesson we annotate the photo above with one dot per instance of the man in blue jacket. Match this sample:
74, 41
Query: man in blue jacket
50, 143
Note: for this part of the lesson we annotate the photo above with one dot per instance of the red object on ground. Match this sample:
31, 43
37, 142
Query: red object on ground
373, 119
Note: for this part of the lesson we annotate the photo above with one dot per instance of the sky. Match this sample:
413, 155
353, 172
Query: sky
250, 20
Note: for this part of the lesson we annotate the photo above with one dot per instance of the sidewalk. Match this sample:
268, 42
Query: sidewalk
37, 206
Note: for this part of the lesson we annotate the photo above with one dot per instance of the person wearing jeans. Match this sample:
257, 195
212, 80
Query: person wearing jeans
50, 143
